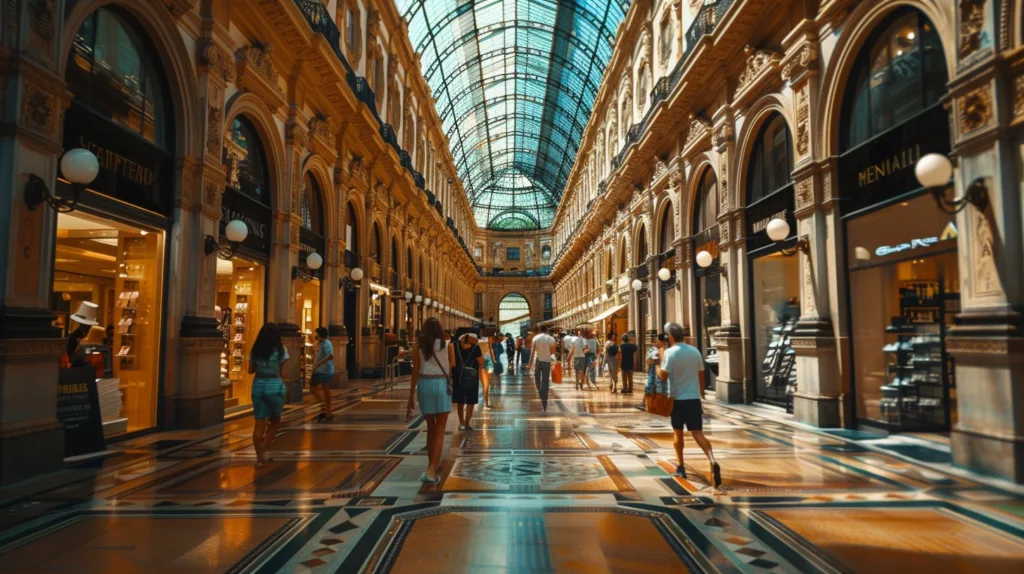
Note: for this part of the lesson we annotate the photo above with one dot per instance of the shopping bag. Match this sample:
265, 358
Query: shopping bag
659, 402
556, 373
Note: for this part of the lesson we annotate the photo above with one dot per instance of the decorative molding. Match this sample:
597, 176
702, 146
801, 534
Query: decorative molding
972, 24
723, 134
34, 349
178, 8
975, 109
320, 129
1018, 96
295, 134
800, 61
760, 65
255, 72
723, 182
804, 193
38, 107
803, 121
216, 60
211, 192
700, 126
40, 18
213, 130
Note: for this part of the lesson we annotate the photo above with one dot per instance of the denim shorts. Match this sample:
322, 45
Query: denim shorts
267, 398
320, 379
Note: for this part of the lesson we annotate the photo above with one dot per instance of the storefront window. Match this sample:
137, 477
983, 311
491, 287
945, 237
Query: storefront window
709, 281
240, 304
776, 302
120, 269
770, 163
669, 293
114, 72
244, 161
904, 286
901, 72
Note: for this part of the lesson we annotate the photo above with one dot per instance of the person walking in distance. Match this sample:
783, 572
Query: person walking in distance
578, 360
628, 351
525, 352
611, 358
653, 358
542, 352
510, 352
466, 396
682, 366
323, 372
431, 385
266, 360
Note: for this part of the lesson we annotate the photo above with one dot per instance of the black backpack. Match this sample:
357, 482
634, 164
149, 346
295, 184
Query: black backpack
613, 349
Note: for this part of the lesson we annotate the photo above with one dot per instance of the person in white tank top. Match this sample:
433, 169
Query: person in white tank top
431, 385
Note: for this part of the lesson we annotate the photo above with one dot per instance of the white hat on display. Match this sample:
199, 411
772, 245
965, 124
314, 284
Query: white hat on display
86, 314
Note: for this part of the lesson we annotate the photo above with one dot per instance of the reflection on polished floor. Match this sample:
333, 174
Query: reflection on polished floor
585, 487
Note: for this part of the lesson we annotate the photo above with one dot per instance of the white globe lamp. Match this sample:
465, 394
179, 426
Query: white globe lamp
778, 230
933, 170
356, 274
314, 261
236, 231
637, 284
80, 166
704, 259
664, 274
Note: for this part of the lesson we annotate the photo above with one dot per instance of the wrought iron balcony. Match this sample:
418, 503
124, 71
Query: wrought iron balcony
418, 179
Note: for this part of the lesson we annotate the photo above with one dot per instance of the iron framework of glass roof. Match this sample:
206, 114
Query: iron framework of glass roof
514, 82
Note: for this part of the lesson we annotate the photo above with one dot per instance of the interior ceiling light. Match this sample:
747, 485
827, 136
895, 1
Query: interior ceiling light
514, 83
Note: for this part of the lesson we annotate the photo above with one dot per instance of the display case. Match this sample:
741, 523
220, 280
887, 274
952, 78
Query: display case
779, 365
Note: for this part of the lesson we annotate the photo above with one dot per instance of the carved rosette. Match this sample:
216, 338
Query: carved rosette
974, 109
804, 193
760, 65
216, 60
255, 72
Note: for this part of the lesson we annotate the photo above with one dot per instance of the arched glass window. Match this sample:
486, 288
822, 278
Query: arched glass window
622, 255
668, 232
901, 71
351, 231
545, 252
245, 161
408, 262
114, 71
375, 247
706, 214
310, 204
771, 164
641, 246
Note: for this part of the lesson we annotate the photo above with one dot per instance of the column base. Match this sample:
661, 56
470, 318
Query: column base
198, 412
991, 455
730, 392
817, 410
27, 453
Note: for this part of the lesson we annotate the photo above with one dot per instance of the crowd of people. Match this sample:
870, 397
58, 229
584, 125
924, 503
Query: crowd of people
449, 370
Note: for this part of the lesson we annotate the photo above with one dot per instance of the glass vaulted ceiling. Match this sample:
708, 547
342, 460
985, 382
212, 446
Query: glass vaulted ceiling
514, 82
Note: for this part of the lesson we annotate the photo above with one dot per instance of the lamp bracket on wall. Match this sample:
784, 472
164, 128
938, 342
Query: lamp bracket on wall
211, 246
37, 193
802, 245
304, 274
976, 194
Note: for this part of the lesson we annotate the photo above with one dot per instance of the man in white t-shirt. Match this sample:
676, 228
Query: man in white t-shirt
577, 358
567, 341
542, 352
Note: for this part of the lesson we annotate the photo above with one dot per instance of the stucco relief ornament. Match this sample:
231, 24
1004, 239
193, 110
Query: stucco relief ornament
40, 17
699, 126
38, 108
213, 130
757, 62
802, 121
320, 127
972, 24
1018, 96
216, 60
975, 109
660, 167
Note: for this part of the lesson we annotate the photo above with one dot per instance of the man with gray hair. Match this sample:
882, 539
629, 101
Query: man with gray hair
683, 367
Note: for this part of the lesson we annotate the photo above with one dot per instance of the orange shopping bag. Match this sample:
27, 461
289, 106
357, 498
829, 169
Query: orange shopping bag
556, 373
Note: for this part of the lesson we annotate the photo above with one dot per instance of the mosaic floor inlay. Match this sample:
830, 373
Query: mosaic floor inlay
585, 487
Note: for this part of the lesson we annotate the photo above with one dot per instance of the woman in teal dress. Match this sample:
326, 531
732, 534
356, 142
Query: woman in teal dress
431, 386
266, 360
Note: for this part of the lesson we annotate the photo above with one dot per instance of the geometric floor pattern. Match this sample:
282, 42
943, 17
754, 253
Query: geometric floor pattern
583, 487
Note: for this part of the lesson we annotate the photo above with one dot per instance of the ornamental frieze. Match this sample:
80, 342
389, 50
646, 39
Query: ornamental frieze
255, 72
216, 60
760, 65
700, 127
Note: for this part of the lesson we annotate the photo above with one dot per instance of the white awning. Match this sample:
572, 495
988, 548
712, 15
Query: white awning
608, 313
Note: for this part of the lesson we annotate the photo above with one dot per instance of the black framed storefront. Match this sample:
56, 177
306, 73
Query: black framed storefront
902, 273
111, 250
707, 280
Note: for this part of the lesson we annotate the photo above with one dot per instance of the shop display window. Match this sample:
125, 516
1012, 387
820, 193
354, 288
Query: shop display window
119, 268
776, 309
904, 284
307, 303
240, 301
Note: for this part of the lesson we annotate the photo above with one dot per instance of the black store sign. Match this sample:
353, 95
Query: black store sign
778, 205
78, 409
310, 242
132, 169
883, 168
706, 240
257, 217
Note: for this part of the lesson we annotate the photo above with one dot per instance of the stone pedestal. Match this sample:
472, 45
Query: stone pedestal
816, 400
730, 384
339, 339
292, 374
198, 399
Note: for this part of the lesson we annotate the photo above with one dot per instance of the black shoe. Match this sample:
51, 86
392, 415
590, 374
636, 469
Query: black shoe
681, 472
640, 407
716, 473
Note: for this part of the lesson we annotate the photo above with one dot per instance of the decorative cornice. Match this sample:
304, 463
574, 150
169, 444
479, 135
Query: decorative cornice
255, 72
700, 128
760, 65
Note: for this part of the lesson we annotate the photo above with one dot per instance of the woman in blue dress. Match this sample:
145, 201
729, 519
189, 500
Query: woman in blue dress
266, 360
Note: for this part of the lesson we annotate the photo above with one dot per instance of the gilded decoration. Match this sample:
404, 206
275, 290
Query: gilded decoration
213, 129
972, 24
975, 109
1018, 96
758, 61
803, 128
211, 189
800, 61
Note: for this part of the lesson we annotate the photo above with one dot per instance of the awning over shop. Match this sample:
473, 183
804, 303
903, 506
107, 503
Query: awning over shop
608, 313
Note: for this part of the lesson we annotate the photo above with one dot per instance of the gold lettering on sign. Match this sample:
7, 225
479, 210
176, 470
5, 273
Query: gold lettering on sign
885, 168
119, 164
763, 224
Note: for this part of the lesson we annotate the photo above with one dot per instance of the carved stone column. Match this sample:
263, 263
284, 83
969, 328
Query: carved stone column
987, 342
286, 256
819, 386
730, 387
31, 437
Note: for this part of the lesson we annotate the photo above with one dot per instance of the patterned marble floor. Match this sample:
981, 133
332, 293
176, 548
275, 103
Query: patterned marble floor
583, 487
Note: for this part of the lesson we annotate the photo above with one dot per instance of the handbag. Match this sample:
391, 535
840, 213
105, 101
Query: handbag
447, 375
556, 373
469, 377
658, 402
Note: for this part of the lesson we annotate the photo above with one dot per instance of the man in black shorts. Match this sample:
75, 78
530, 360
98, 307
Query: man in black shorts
683, 367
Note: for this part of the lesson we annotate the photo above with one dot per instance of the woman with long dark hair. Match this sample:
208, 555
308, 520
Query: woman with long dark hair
266, 359
432, 386
467, 354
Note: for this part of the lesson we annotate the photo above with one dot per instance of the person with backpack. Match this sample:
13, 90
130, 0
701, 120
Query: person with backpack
611, 358
266, 361
467, 375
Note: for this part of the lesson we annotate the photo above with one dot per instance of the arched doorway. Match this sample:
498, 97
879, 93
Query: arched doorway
708, 282
901, 300
307, 283
669, 293
513, 315
109, 255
